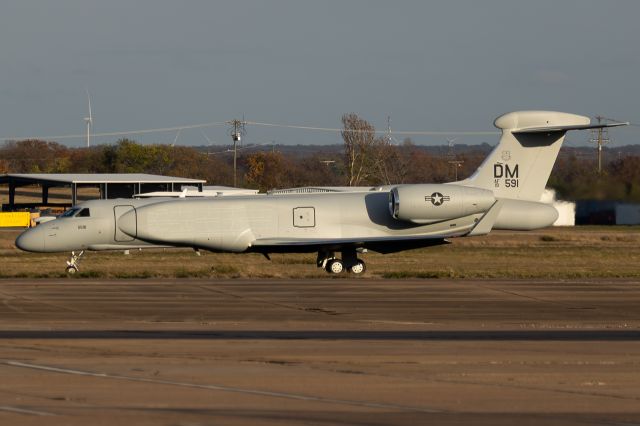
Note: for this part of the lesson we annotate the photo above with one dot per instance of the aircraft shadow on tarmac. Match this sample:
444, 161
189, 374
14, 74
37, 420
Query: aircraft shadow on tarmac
484, 335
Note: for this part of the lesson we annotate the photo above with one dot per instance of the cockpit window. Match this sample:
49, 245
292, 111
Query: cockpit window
70, 212
76, 212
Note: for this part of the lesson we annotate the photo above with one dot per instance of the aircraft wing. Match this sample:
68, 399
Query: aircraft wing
379, 244
552, 129
485, 224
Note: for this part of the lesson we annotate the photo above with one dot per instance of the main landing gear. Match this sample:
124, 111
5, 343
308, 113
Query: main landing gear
73, 262
335, 266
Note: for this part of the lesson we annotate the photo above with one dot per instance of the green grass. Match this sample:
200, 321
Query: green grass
554, 253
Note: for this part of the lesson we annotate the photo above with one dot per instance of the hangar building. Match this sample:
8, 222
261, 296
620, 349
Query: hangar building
110, 185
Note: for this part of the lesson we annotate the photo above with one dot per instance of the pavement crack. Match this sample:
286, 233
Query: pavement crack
536, 299
315, 310
224, 388
40, 301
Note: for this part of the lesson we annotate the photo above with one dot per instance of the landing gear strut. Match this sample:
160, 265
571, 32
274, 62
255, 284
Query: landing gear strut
335, 266
73, 262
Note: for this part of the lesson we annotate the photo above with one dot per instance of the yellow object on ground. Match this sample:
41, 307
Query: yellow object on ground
34, 216
15, 219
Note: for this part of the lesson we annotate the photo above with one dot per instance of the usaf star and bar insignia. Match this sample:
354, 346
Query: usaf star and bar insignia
437, 198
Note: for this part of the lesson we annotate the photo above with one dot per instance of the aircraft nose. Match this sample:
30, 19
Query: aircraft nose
31, 240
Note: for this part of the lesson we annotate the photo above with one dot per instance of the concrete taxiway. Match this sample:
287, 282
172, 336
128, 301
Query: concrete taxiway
336, 351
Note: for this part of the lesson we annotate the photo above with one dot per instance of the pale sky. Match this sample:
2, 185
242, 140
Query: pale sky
431, 65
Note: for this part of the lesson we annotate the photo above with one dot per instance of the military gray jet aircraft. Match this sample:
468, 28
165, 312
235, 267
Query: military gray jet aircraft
92, 225
503, 193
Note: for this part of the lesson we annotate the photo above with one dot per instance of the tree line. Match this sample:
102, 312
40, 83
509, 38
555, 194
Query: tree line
364, 159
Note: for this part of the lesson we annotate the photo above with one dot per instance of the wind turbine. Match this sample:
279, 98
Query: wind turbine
206, 137
89, 121
176, 138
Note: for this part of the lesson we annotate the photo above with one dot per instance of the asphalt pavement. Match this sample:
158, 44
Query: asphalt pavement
320, 352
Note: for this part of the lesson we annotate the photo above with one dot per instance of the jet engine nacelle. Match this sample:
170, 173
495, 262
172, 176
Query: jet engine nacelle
437, 202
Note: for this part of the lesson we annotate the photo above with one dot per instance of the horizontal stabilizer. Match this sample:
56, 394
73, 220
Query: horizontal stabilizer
554, 129
519, 166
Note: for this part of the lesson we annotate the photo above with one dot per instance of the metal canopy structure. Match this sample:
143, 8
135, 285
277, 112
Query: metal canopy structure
111, 185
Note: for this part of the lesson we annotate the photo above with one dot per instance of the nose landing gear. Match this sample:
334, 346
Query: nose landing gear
73, 262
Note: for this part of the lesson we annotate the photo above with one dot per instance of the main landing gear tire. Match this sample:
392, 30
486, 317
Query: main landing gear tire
71, 270
335, 266
358, 268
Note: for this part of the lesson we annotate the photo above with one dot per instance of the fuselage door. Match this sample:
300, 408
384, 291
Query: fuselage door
118, 211
304, 217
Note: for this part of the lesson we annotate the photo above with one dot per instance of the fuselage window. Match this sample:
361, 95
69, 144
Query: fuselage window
84, 213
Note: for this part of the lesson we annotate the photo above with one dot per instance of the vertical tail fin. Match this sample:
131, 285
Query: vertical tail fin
520, 165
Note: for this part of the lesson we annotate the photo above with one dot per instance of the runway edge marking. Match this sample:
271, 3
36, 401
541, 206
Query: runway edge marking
300, 397
24, 411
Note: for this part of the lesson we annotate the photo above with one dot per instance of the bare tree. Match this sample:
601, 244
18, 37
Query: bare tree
392, 162
359, 141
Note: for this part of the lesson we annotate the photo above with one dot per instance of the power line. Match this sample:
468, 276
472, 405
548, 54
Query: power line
397, 132
257, 123
122, 133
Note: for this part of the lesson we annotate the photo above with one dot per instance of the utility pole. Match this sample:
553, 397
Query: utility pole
453, 161
389, 137
600, 137
237, 130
